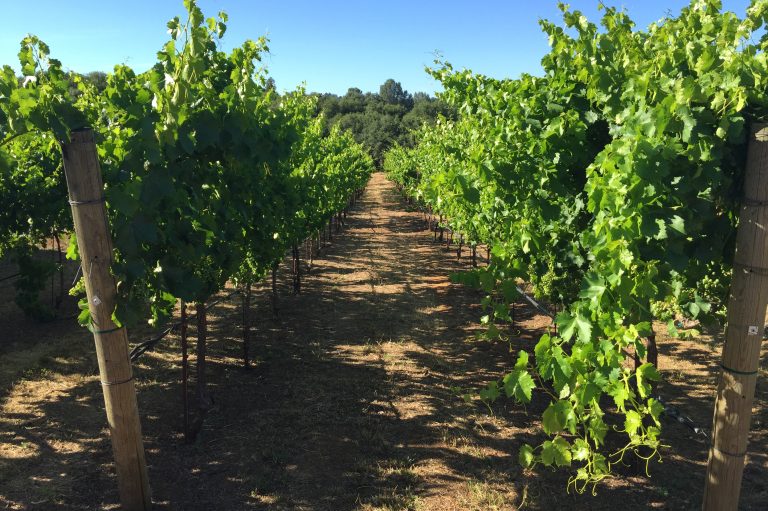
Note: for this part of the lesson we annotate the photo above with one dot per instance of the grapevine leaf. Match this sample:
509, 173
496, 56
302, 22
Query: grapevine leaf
645, 373
580, 449
526, 456
490, 393
522, 360
519, 384
672, 329
570, 325
556, 452
597, 429
557, 416
632, 423
618, 390
72, 252
84, 318
592, 288
678, 224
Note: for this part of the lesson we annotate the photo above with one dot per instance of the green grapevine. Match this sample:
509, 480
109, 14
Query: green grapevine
209, 175
610, 185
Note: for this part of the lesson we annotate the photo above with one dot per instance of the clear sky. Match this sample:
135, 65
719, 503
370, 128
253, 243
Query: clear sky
330, 45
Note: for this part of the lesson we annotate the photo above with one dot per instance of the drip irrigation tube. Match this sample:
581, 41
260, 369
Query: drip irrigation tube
9, 277
674, 413
533, 302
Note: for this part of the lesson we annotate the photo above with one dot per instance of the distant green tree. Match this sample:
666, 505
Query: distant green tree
353, 101
354, 122
328, 104
392, 92
98, 79
379, 120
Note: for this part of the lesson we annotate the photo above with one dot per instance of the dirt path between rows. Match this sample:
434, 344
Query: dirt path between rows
353, 402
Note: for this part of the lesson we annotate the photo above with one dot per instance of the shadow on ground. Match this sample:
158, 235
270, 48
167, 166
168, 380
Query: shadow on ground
353, 401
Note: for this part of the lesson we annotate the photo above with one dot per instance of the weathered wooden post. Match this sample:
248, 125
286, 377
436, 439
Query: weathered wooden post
275, 307
741, 351
296, 270
246, 323
86, 197
185, 371
201, 352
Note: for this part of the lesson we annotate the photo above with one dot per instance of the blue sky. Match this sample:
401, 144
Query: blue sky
328, 44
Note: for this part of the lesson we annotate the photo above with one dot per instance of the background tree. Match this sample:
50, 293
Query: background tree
391, 92
381, 120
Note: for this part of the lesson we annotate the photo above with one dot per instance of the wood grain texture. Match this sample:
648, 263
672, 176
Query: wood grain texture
86, 190
741, 352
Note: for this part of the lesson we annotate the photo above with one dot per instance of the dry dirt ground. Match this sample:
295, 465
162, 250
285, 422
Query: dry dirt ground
352, 403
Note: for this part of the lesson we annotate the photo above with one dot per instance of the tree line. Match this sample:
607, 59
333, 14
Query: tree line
381, 120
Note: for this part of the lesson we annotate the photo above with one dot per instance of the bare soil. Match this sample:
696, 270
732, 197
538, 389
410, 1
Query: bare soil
353, 401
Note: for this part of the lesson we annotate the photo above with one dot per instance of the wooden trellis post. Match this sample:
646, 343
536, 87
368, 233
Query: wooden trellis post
741, 352
185, 370
86, 196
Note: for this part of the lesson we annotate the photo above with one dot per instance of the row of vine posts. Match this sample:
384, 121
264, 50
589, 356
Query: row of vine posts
86, 198
748, 301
